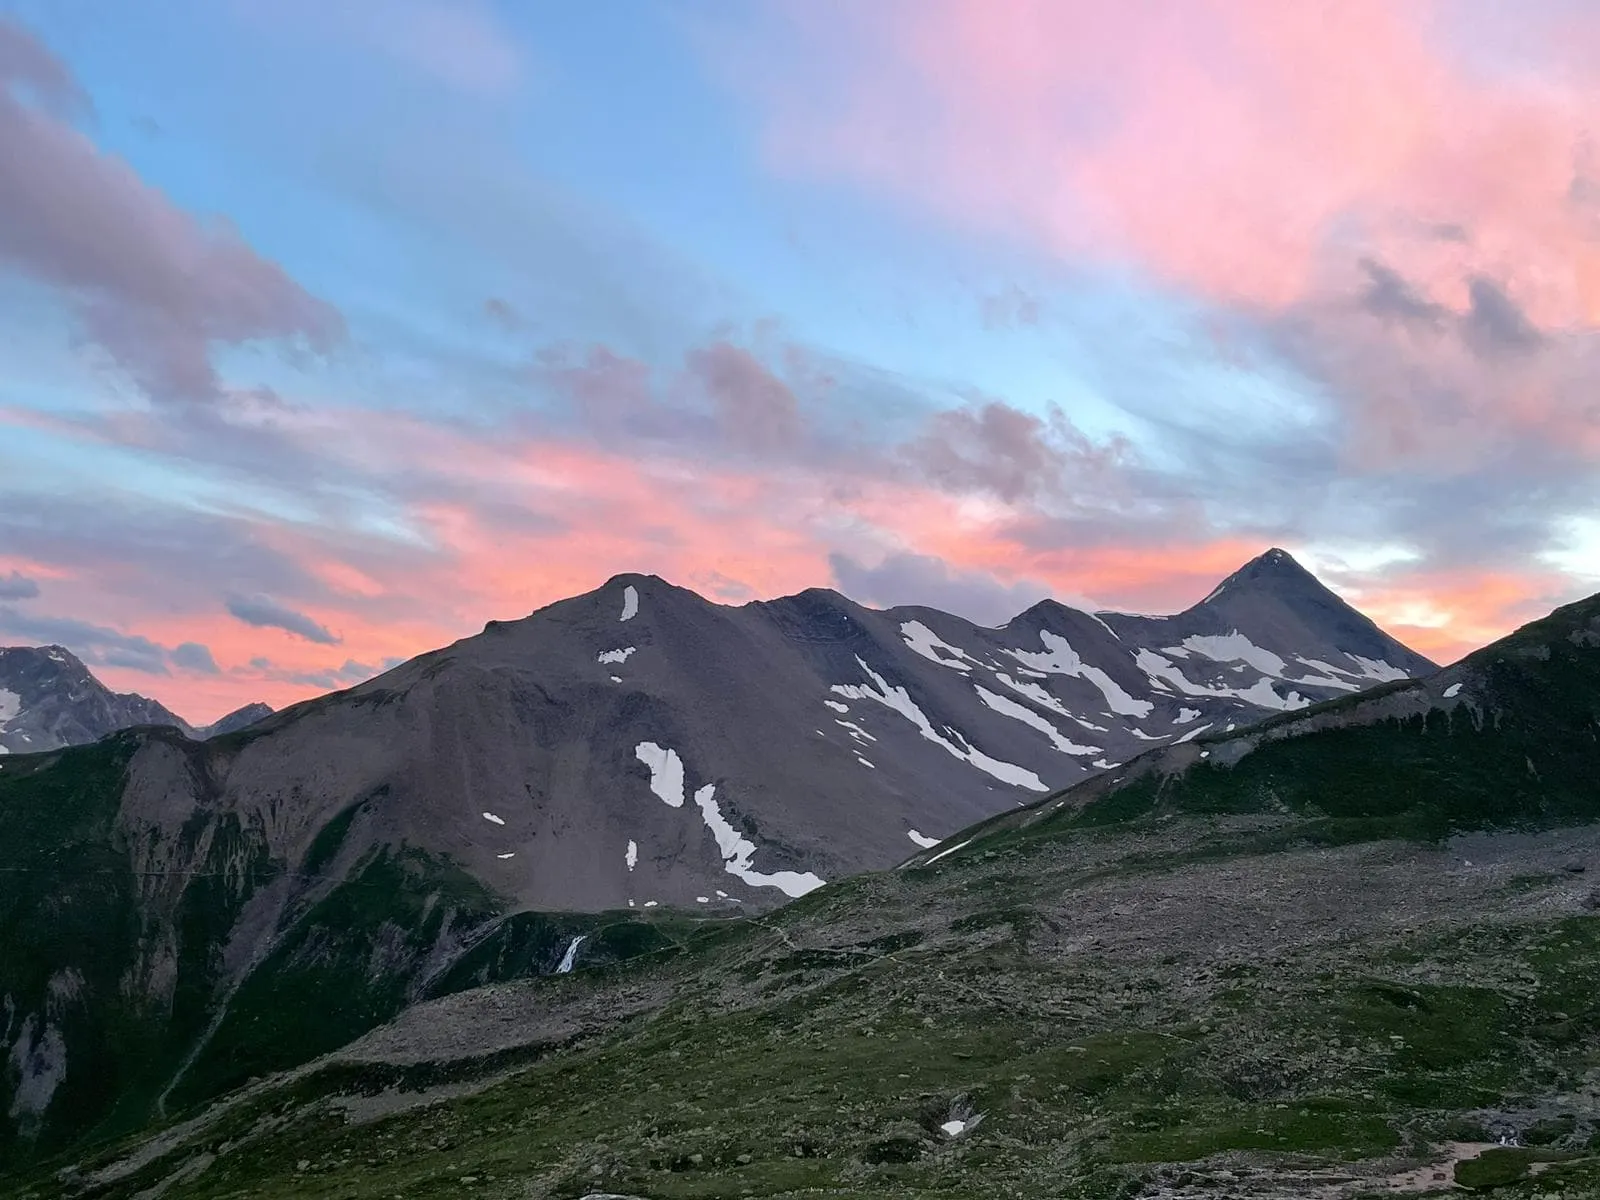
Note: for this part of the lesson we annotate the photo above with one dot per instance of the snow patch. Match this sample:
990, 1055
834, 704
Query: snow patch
666, 772
855, 730
865, 763
1185, 715
512, 854
952, 1128
900, 700
1193, 733
951, 850
1059, 658
1375, 668
10, 705
1235, 647
702, 899
1451, 692
632, 856
737, 851
616, 656
1008, 707
630, 603
928, 644
616, 679
1260, 692
927, 843
836, 706
488, 816
1104, 765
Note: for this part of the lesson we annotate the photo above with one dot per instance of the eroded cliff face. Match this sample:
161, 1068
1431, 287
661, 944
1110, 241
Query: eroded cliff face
194, 935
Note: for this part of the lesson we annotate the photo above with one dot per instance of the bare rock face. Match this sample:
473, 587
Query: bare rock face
639, 745
49, 699
239, 718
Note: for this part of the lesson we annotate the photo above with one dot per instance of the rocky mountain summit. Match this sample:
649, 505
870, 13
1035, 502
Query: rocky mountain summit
49, 699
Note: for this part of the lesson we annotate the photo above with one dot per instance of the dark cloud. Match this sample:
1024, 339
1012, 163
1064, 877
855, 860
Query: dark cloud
94, 644
152, 286
992, 447
17, 586
1390, 296
752, 407
266, 613
192, 656
329, 679
1495, 324
921, 579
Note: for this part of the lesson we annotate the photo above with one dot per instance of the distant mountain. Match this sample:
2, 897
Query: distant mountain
238, 719
49, 699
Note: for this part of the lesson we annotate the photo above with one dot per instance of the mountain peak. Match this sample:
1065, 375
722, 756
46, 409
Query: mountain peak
1275, 570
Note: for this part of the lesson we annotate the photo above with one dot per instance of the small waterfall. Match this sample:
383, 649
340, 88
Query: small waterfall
572, 953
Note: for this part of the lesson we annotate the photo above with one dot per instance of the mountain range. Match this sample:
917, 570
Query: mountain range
641, 745
50, 699
636, 747
1321, 953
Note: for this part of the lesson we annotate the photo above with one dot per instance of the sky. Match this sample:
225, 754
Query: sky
332, 329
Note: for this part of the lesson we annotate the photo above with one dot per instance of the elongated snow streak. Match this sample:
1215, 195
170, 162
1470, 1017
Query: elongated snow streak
836, 706
571, 954
951, 850
900, 700
927, 643
1451, 692
1059, 658
488, 816
738, 851
1008, 707
512, 854
632, 856
630, 603
922, 839
1260, 692
666, 772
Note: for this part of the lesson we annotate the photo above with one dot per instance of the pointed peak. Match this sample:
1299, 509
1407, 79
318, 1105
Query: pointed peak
1276, 567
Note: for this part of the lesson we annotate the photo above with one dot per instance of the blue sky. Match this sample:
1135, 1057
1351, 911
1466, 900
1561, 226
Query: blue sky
439, 282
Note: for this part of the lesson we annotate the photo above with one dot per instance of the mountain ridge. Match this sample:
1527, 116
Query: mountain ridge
1337, 950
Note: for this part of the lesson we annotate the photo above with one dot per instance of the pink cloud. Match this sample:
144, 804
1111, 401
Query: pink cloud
155, 288
1229, 146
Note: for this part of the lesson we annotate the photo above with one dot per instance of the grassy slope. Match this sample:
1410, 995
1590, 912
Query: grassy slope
806, 1054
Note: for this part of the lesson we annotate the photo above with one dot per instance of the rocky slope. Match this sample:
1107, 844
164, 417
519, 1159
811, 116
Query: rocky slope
182, 915
48, 699
239, 718
1347, 952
